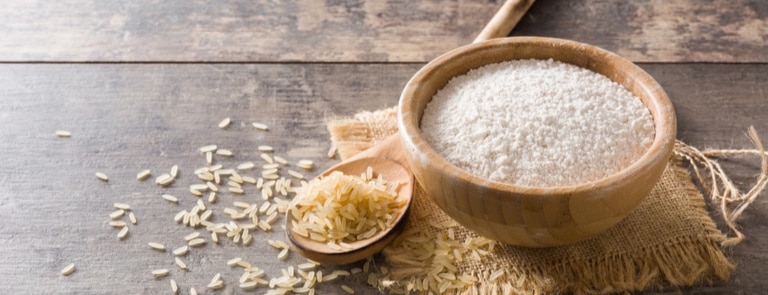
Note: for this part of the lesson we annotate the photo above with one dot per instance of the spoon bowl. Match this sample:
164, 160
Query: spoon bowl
386, 159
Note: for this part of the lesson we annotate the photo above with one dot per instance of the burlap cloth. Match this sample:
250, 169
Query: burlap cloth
669, 241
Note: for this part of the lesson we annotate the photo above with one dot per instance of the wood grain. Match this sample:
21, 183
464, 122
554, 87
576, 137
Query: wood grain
377, 31
657, 30
129, 117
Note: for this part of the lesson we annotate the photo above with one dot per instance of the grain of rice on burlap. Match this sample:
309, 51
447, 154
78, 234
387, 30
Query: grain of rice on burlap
668, 241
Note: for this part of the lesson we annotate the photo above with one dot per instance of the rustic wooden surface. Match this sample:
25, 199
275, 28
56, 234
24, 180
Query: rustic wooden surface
313, 60
381, 31
127, 117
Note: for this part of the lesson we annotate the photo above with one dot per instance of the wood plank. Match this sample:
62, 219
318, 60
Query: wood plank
378, 31
241, 30
128, 117
657, 30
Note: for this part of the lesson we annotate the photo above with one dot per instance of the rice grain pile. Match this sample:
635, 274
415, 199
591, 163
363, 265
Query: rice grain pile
339, 208
537, 123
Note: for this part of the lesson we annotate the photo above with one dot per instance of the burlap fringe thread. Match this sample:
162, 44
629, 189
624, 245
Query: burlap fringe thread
354, 135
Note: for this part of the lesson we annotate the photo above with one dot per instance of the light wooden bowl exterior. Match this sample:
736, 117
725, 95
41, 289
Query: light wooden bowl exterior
534, 216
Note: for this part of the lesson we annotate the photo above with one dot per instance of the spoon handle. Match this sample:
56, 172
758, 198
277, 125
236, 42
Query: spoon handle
390, 148
504, 20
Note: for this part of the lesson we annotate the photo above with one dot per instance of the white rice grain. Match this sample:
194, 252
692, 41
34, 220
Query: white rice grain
180, 263
117, 224
196, 242
159, 273
63, 133
117, 214
267, 158
265, 148
246, 166
295, 174
170, 198
260, 126
225, 123
280, 160
174, 287
181, 251
191, 236
102, 176
156, 246
68, 270
123, 233
224, 152
144, 174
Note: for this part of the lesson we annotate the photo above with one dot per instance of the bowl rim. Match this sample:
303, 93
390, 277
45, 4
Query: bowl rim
664, 119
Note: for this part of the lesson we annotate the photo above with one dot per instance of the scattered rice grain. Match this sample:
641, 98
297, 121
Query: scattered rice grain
267, 158
223, 152
180, 263
159, 273
181, 251
295, 174
144, 174
196, 242
156, 246
260, 126
225, 123
280, 160
265, 148
170, 198
102, 176
123, 233
68, 270
117, 214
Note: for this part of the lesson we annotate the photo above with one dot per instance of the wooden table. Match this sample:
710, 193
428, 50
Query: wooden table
143, 84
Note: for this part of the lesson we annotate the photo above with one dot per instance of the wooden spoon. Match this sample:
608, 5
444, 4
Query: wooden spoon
388, 159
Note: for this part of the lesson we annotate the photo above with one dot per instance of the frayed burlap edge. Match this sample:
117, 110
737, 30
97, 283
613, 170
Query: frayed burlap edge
683, 262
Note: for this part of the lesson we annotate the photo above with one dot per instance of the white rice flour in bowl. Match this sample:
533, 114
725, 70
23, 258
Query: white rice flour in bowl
536, 141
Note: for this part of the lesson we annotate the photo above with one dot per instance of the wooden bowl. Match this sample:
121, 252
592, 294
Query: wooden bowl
534, 216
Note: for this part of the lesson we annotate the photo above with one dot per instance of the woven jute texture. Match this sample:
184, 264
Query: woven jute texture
669, 241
